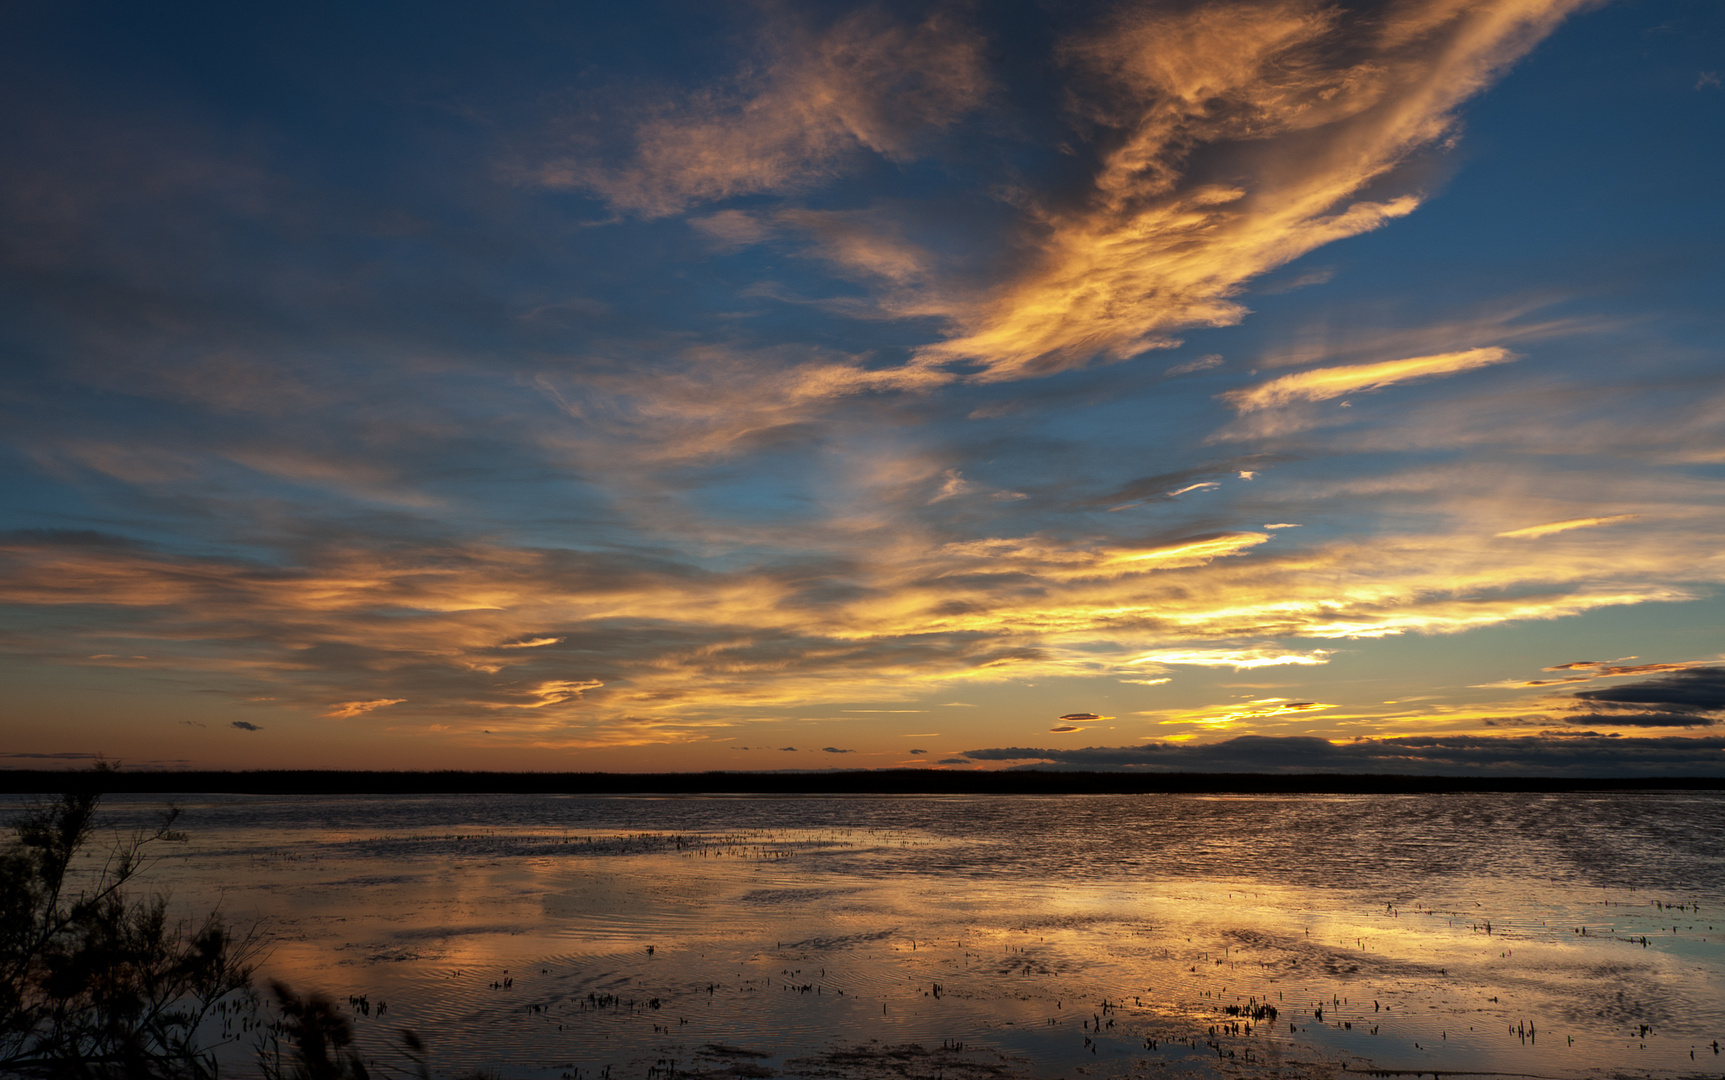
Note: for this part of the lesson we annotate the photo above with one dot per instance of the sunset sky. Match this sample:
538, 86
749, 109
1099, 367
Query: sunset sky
1271, 384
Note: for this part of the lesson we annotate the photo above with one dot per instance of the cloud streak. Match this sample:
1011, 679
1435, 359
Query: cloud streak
1532, 531
1323, 384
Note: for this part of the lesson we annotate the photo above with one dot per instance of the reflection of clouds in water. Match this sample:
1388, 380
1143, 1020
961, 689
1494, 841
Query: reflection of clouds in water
779, 897
800, 920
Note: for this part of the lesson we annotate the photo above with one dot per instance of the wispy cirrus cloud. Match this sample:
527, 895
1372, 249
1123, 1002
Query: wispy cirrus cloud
869, 82
343, 710
1531, 531
1310, 104
1238, 659
1257, 712
1582, 671
1323, 384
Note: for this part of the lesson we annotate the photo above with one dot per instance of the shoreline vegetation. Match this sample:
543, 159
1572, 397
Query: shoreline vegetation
97, 982
813, 782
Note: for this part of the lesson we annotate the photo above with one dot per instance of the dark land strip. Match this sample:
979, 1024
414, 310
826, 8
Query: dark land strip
849, 782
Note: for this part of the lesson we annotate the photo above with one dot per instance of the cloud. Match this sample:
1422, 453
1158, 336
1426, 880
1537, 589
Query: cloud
531, 643
816, 613
1202, 486
1597, 670
835, 750
1203, 363
1161, 487
342, 710
1238, 138
953, 761
1546, 754
1226, 716
1564, 526
245, 725
868, 246
1058, 561
1238, 659
1061, 729
714, 401
869, 83
732, 228
1683, 698
1322, 384
547, 693
1582, 671
916, 751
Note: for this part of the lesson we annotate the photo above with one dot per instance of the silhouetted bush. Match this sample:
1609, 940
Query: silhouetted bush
95, 983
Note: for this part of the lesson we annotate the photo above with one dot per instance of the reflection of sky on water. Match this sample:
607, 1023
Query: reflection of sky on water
789, 927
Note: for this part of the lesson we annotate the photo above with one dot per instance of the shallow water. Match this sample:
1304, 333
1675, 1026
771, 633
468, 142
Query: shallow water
544, 936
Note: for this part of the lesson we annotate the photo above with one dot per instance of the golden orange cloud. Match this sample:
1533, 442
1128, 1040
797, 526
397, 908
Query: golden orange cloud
1150, 252
1322, 384
564, 644
1547, 529
344, 709
1227, 716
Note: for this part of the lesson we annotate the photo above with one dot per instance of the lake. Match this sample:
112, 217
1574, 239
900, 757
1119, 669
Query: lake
1300, 935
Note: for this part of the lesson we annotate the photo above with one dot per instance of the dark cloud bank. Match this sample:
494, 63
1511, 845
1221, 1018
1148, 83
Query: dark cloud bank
1692, 698
1580, 754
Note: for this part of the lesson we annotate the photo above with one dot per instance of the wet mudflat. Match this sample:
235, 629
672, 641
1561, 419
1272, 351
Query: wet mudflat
976, 937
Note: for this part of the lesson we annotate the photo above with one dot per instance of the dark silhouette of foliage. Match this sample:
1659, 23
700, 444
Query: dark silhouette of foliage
97, 984
320, 1040
94, 982
320, 1044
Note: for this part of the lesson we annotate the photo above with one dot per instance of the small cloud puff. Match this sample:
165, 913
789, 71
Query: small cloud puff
1063, 729
835, 750
914, 751
246, 725
953, 761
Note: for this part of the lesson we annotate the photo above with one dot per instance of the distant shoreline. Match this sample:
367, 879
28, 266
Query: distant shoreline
850, 782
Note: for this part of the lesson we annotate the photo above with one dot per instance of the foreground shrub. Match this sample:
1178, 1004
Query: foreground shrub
94, 982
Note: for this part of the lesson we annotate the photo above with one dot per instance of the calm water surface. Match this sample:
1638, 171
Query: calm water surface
545, 936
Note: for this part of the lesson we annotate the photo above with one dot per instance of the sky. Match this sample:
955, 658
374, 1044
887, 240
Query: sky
1260, 385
